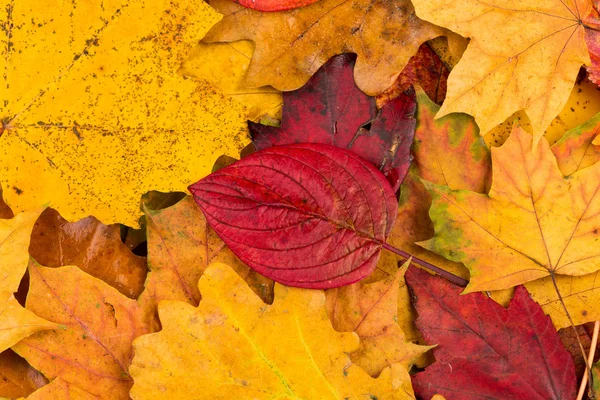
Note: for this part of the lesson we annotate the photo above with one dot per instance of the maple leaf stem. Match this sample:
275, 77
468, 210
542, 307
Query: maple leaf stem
588, 366
590, 361
443, 273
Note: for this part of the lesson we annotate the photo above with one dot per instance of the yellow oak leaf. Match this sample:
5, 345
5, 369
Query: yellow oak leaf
93, 349
93, 111
16, 322
234, 346
371, 311
291, 45
60, 389
523, 54
224, 66
180, 246
534, 223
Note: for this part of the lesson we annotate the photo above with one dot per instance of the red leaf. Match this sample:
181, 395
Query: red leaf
307, 215
274, 5
331, 109
485, 350
592, 39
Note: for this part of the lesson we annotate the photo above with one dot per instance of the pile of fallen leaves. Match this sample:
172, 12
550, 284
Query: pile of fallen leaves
387, 200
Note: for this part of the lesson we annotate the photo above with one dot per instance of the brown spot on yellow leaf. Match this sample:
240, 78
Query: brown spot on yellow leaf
97, 112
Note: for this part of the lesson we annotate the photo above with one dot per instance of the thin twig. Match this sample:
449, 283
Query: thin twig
589, 363
443, 273
562, 302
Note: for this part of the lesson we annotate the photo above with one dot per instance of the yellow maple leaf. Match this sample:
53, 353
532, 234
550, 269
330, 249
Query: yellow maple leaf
15, 321
233, 346
523, 54
292, 45
534, 222
94, 113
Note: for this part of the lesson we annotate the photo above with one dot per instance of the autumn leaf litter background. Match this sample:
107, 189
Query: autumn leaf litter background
463, 134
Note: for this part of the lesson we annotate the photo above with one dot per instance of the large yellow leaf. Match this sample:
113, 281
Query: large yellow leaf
180, 247
233, 346
523, 54
94, 113
93, 349
534, 222
16, 322
292, 45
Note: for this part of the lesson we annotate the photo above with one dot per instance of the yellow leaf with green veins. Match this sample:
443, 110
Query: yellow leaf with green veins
534, 222
234, 346
94, 112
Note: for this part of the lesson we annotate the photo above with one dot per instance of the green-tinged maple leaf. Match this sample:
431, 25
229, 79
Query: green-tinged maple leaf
534, 223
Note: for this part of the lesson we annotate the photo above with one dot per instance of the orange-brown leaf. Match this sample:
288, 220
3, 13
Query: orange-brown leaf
17, 378
93, 350
60, 389
92, 246
371, 311
5, 211
292, 45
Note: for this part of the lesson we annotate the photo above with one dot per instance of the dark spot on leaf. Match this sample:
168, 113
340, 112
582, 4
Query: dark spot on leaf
584, 313
17, 190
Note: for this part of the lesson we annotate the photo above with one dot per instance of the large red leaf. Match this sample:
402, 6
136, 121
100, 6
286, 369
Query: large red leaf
308, 215
484, 350
274, 5
331, 109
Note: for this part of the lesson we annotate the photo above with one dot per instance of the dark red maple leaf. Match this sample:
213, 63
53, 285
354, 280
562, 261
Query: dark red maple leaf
331, 109
592, 39
484, 350
308, 215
